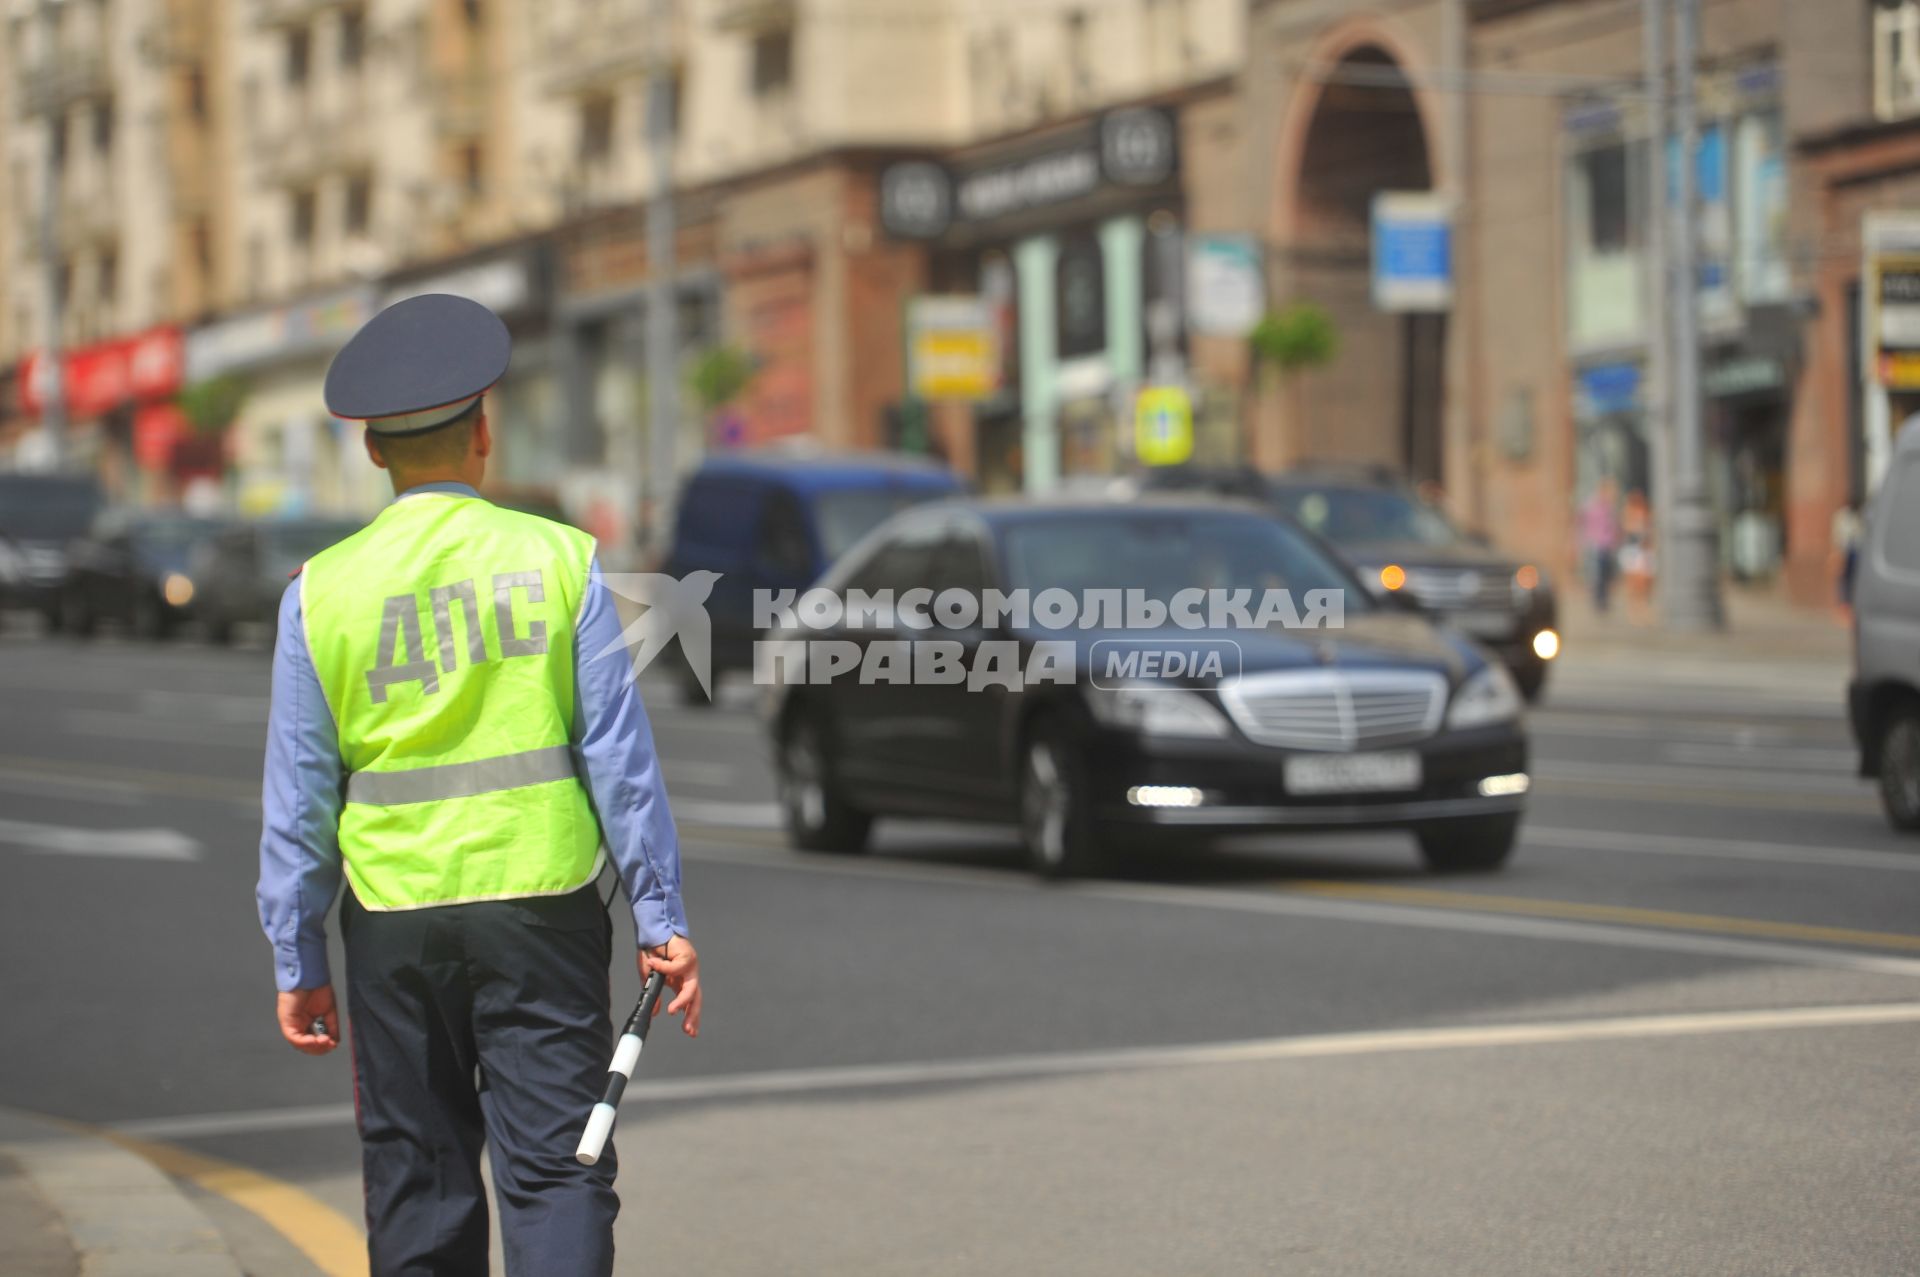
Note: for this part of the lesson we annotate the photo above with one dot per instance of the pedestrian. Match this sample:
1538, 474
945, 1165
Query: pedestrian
1600, 538
445, 735
1844, 545
1636, 556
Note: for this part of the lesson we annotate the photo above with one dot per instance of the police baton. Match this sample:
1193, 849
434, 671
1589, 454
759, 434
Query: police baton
627, 1054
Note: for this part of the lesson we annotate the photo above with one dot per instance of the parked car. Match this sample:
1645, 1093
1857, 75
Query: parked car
1883, 699
1400, 543
134, 568
775, 521
238, 575
1387, 720
40, 516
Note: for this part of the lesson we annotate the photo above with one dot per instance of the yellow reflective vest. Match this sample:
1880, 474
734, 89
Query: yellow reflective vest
442, 635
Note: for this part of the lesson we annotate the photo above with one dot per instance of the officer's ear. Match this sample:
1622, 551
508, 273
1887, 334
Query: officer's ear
482, 436
373, 449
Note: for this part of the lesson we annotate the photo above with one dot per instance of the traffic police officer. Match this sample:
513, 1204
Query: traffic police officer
442, 732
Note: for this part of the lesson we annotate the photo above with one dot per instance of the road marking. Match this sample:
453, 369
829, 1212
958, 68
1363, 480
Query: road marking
1717, 848
177, 784
841, 1077
696, 771
1790, 783
131, 844
730, 816
113, 724
1659, 787
70, 789
1828, 760
1283, 903
335, 1245
1627, 915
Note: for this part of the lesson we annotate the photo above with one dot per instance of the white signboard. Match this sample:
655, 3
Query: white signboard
1226, 294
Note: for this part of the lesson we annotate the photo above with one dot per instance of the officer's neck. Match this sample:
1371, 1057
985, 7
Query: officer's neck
465, 476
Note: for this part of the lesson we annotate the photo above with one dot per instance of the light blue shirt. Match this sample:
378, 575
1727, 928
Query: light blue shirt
301, 796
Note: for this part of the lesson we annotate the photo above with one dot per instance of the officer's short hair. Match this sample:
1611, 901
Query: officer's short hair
441, 446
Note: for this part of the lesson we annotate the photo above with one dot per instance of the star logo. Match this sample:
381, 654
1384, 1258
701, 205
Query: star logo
670, 608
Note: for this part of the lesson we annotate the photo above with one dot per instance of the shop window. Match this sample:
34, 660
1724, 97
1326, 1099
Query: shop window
596, 129
1080, 297
773, 62
1603, 243
1896, 59
353, 37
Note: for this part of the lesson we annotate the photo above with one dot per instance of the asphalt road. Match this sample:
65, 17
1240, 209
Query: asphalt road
1680, 1033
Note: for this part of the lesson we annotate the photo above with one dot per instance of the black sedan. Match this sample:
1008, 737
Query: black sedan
135, 569
40, 516
1242, 722
239, 575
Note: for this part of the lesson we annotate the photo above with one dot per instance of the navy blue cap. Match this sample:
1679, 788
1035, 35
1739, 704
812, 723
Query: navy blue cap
418, 364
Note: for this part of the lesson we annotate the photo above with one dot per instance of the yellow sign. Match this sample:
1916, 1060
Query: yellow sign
1900, 369
1163, 426
951, 348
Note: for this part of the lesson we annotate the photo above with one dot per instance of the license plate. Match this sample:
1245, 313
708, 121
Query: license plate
1352, 773
1485, 624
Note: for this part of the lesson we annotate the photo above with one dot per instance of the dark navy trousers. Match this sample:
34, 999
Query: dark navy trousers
481, 1024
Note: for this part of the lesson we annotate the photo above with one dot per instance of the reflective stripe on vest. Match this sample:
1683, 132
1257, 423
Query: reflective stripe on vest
442, 635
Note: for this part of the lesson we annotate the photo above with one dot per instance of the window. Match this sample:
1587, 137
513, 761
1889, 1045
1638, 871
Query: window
103, 127
596, 129
473, 167
1896, 58
1079, 66
201, 238
299, 54
303, 219
109, 277
193, 90
772, 62
473, 11
1605, 189
58, 131
353, 37
1081, 291
359, 204
1603, 175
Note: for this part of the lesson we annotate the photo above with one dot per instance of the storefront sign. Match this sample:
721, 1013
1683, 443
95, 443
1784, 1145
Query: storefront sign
951, 351
317, 326
1135, 147
107, 374
1605, 390
1891, 296
157, 430
1225, 291
1743, 375
1163, 426
1412, 251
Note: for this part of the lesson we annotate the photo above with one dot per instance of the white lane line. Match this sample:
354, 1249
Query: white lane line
113, 724
1283, 904
827, 1078
1835, 761
695, 771
1718, 848
699, 811
71, 789
1670, 776
132, 844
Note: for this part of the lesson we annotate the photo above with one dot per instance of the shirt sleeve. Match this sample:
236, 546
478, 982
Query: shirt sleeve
613, 747
300, 802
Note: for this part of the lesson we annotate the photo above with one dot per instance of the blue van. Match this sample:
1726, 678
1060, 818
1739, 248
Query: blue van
776, 521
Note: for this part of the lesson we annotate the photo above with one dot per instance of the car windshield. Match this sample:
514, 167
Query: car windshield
1163, 553
1367, 516
172, 536
850, 513
47, 509
285, 547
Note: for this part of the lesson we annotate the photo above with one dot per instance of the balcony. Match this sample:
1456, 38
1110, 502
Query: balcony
269, 14
304, 141
754, 17
75, 74
588, 56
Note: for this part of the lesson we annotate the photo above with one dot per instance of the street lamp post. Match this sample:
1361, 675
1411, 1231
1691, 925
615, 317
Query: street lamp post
53, 397
663, 316
1693, 551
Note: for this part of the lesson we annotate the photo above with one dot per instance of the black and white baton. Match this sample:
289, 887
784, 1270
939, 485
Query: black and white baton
625, 1055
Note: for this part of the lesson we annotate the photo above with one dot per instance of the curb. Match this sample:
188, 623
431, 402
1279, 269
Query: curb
123, 1217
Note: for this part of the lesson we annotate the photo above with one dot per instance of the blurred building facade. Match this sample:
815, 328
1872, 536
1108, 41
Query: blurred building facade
242, 182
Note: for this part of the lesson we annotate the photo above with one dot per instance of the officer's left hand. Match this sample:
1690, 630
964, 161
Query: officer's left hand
677, 961
298, 1010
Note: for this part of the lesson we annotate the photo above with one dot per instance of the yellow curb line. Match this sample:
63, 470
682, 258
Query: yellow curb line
1625, 915
334, 1244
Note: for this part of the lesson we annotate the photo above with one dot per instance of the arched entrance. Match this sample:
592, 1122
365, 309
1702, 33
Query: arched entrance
1381, 399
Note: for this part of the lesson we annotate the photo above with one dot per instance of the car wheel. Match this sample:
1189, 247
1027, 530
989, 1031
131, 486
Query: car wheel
1467, 846
76, 615
1900, 770
148, 618
1055, 819
817, 817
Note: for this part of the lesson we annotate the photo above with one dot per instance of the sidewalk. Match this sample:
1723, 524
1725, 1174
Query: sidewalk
73, 1204
1760, 628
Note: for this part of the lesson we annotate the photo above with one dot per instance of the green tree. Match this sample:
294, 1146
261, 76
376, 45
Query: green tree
211, 404
719, 376
1298, 336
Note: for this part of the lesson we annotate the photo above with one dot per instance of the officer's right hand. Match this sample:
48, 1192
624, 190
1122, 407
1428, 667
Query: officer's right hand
298, 1009
677, 961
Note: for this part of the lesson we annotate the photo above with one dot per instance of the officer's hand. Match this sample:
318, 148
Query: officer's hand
677, 961
299, 1008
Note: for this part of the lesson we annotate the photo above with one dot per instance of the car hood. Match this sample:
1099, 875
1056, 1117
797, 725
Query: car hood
1370, 640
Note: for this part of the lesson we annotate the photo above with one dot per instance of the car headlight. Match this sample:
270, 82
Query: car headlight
1157, 711
1488, 697
177, 589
